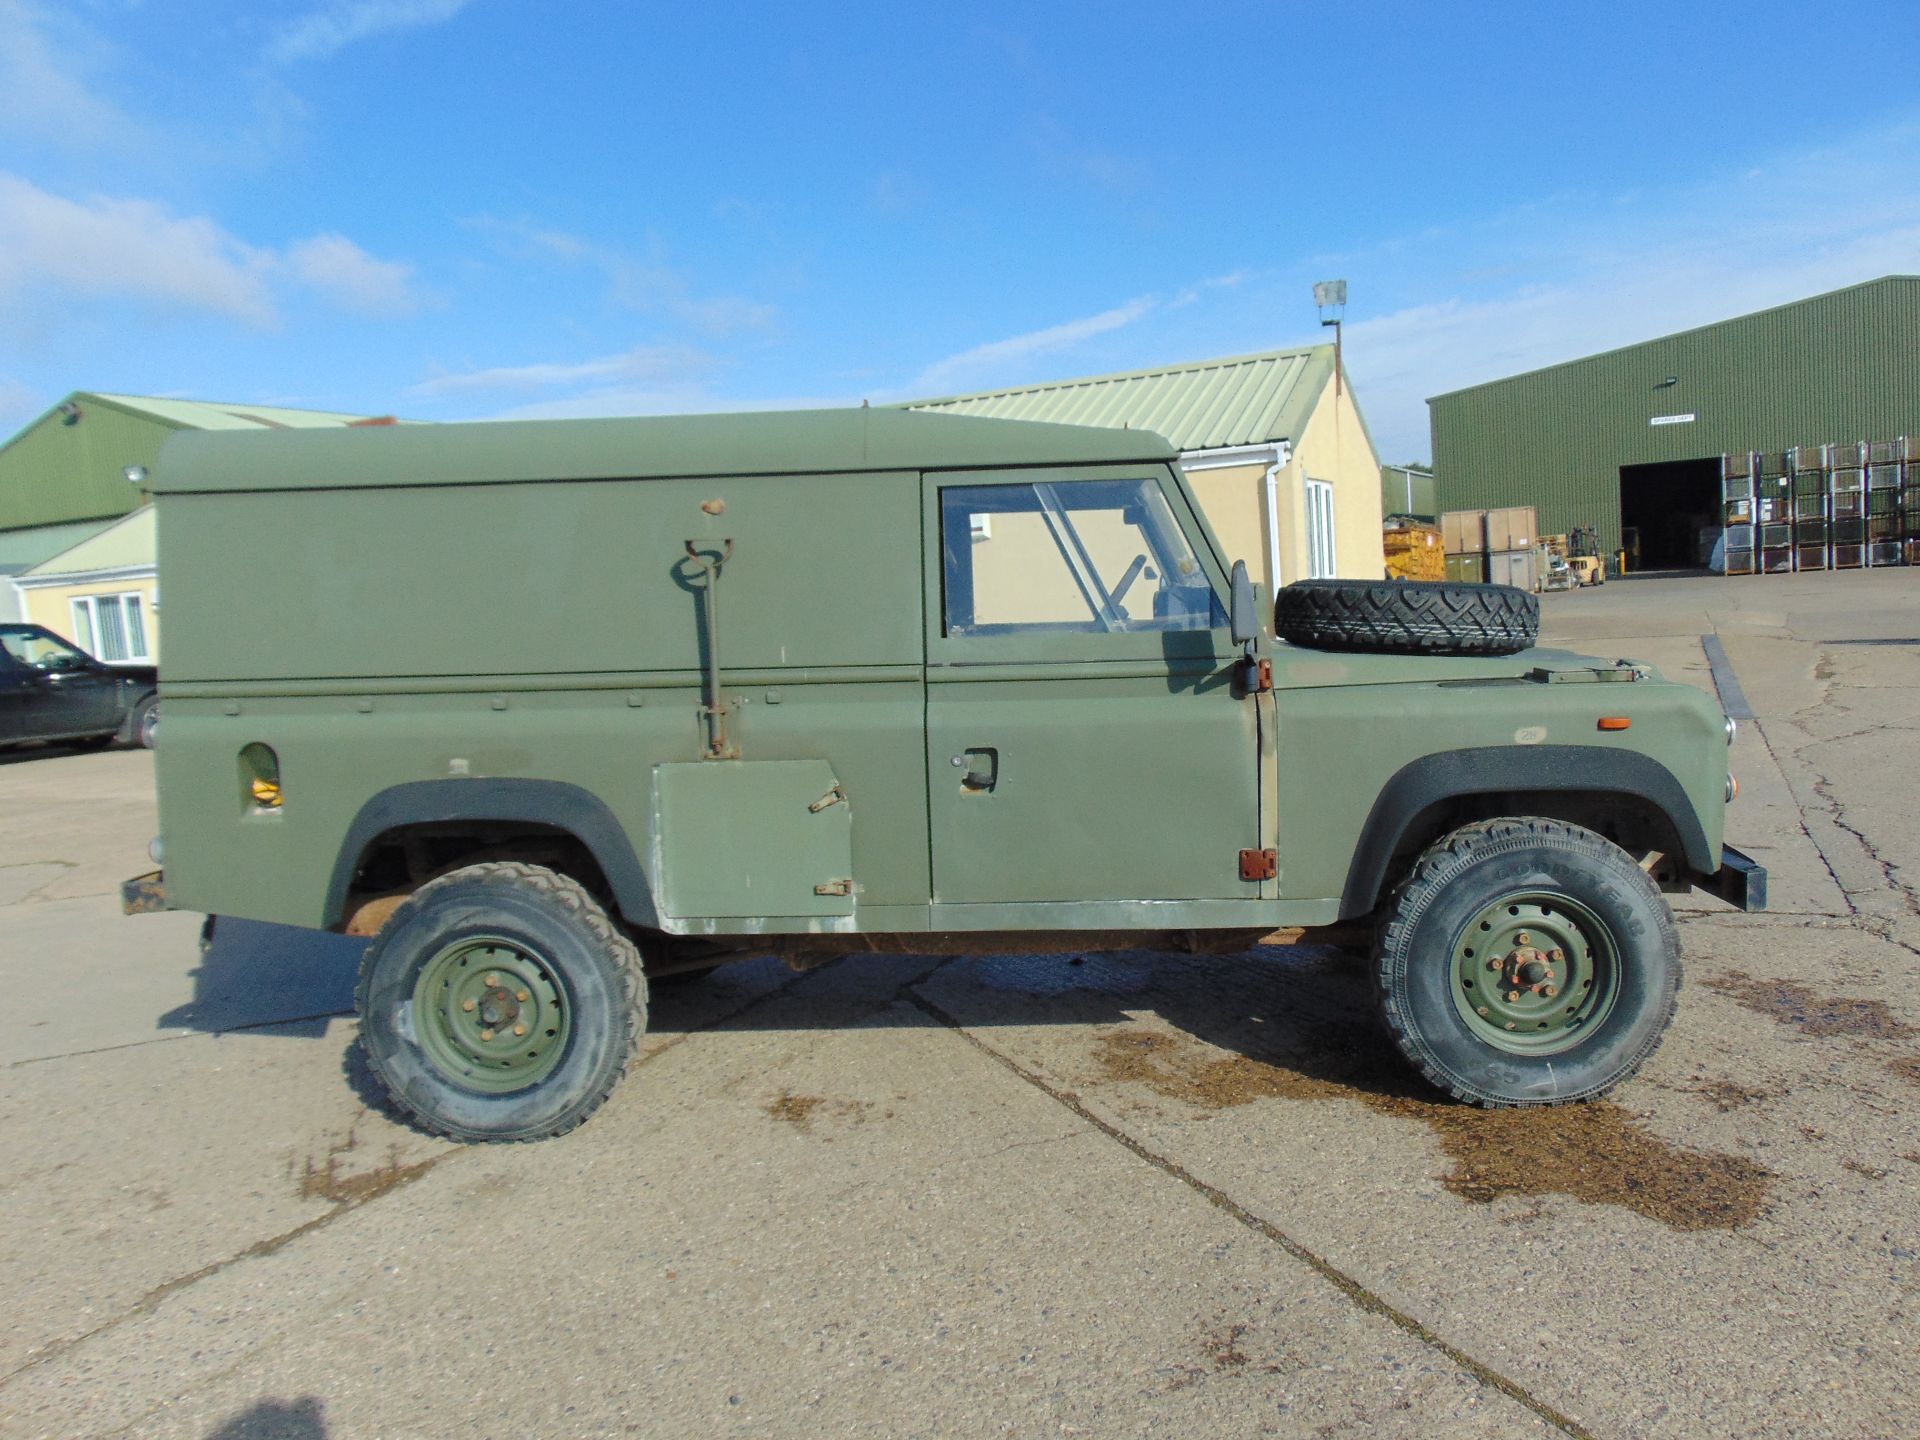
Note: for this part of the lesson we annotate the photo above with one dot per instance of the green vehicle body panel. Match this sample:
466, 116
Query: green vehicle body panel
760, 837
425, 622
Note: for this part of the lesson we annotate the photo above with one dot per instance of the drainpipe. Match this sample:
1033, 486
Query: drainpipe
1282, 457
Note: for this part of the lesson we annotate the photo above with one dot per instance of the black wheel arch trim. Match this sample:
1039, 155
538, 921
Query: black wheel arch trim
1567, 769
555, 803
129, 730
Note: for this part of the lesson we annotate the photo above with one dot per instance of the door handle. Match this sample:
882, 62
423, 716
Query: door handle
981, 767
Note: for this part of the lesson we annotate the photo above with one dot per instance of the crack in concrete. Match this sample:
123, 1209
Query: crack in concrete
1351, 1288
154, 1298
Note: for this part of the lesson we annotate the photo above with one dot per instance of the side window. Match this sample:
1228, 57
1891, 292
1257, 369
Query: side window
1074, 556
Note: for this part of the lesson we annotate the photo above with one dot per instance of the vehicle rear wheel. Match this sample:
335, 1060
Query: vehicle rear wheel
146, 722
501, 1003
1526, 962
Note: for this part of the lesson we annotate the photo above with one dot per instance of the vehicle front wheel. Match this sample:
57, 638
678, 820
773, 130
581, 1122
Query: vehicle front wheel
1526, 962
501, 1003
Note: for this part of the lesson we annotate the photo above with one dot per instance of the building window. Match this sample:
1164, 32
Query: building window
113, 627
1321, 563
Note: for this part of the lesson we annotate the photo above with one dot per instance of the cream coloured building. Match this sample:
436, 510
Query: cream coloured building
1276, 451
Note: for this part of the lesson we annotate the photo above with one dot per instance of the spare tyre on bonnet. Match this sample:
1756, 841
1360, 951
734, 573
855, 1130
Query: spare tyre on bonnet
1408, 617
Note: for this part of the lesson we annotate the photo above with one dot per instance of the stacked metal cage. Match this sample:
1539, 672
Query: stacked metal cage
1738, 474
1822, 507
1910, 498
1885, 479
1773, 513
1812, 538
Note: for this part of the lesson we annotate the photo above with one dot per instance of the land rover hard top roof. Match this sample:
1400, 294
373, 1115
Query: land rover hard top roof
790, 442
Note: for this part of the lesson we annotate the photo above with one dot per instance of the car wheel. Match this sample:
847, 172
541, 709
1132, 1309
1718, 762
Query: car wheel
1526, 962
146, 722
501, 1003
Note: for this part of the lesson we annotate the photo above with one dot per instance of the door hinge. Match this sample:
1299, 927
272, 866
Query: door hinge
834, 887
1259, 864
835, 796
1265, 676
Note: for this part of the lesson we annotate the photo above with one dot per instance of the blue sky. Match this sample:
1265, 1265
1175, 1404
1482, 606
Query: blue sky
458, 209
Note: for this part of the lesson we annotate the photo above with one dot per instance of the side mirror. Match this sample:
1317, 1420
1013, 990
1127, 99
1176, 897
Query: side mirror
1246, 616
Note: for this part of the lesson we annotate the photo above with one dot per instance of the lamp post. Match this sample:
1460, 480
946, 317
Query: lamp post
1330, 298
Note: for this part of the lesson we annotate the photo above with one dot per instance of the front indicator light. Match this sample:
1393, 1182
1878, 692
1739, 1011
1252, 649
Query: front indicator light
1615, 722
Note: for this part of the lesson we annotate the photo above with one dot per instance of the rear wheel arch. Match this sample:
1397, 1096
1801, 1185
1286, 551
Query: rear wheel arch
1621, 795
464, 821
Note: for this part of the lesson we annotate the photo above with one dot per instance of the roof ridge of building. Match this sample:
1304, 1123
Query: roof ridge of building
1185, 367
231, 407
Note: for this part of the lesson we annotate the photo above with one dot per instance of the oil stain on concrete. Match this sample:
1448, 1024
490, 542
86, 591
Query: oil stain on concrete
1821, 1016
1595, 1152
801, 1111
332, 1178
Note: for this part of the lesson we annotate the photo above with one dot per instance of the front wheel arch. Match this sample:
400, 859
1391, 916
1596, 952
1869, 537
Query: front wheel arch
1586, 785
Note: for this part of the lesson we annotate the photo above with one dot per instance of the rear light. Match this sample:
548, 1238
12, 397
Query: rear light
1733, 788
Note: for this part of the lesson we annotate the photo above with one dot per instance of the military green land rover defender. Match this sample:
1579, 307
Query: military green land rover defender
547, 708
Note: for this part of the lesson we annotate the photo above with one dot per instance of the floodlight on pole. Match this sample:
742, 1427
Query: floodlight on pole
1330, 298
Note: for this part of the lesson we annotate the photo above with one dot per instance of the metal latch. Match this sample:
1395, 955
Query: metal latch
834, 887
835, 796
1259, 864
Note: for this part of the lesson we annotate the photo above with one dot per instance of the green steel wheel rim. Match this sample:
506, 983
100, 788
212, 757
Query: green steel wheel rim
491, 1015
1535, 973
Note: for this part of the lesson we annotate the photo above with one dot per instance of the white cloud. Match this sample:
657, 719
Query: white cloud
642, 365
323, 33
104, 248
647, 284
340, 269
998, 362
55, 250
1566, 276
43, 91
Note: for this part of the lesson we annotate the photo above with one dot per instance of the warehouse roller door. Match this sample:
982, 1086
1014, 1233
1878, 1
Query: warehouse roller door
1668, 505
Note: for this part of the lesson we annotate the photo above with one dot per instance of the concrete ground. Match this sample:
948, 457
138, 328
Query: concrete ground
1101, 1195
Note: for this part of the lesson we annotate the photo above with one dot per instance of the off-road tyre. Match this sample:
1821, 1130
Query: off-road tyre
1407, 617
1423, 932
596, 978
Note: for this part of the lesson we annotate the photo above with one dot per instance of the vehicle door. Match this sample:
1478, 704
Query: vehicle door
68, 691
16, 691
1087, 737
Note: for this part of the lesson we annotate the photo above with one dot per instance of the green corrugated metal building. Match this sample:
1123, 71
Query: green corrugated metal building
1632, 437
63, 480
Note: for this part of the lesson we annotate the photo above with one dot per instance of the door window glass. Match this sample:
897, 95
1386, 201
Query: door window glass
1074, 556
41, 649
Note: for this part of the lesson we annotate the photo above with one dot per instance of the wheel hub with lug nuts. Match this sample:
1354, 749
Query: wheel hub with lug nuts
490, 1014
1533, 972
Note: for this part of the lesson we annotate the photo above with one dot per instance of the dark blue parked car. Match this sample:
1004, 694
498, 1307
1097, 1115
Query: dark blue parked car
52, 690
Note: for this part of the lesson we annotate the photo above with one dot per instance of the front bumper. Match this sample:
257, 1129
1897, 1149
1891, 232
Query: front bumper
145, 894
1739, 881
